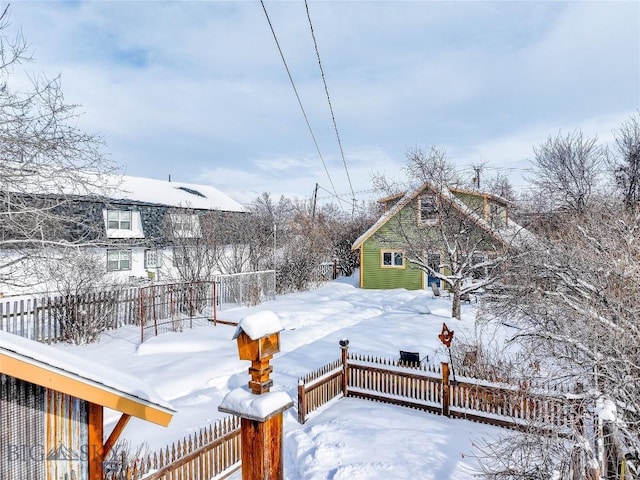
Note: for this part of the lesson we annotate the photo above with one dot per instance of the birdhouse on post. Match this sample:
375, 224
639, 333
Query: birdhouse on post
260, 410
259, 350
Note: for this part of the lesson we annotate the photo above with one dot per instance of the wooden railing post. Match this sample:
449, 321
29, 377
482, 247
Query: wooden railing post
261, 427
344, 347
445, 389
95, 439
302, 403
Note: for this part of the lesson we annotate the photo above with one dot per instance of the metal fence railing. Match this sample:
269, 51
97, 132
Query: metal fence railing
175, 306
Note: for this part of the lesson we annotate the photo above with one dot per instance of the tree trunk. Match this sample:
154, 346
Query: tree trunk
455, 307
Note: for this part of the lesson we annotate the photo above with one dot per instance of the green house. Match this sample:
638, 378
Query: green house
383, 248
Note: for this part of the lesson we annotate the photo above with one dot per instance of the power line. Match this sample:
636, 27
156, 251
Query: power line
340, 195
354, 200
333, 195
304, 113
326, 89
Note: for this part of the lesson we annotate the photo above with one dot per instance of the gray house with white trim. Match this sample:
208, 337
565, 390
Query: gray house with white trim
134, 225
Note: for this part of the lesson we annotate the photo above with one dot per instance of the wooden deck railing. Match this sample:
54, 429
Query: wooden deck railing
389, 381
318, 388
212, 453
431, 388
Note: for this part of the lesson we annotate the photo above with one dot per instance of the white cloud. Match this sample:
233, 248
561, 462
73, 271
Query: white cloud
198, 90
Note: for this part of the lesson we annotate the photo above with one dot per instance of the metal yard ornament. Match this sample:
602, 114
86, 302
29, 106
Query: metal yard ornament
446, 335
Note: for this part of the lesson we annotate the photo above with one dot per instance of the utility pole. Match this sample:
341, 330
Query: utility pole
476, 179
313, 205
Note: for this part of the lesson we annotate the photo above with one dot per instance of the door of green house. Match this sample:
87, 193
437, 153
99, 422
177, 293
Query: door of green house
433, 260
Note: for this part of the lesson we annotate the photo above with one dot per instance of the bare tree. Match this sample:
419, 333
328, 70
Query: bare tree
308, 244
574, 298
44, 159
500, 185
271, 227
531, 455
465, 248
193, 256
566, 169
431, 165
345, 231
627, 165
229, 235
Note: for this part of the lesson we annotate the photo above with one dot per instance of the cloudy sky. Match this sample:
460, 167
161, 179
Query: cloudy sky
198, 91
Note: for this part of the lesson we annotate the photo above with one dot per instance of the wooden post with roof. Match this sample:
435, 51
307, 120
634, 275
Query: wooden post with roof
260, 410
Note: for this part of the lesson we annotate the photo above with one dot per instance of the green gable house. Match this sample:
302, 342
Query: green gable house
384, 248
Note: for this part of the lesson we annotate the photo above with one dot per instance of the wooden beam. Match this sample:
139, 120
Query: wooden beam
115, 434
96, 432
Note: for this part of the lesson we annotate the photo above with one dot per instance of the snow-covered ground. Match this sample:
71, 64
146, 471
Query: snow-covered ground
353, 439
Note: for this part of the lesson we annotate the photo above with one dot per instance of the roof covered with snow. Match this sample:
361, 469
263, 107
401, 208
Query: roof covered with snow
128, 188
174, 194
509, 234
80, 369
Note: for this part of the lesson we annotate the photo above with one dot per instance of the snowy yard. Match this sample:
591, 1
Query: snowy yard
351, 438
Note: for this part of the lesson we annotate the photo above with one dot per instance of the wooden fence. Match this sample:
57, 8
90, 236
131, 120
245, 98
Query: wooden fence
156, 307
43, 319
431, 388
319, 388
212, 453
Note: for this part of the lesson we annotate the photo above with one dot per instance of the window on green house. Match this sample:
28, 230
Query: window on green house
428, 210
392, 259
478, 272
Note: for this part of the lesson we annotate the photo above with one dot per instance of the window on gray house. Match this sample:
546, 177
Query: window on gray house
185, 225
152, 258
118, 260
119, 219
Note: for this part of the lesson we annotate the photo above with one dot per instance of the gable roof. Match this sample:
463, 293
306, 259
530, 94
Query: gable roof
505, 235
64, 372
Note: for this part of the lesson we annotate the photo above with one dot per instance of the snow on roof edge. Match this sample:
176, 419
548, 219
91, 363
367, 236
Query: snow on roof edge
70, 364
